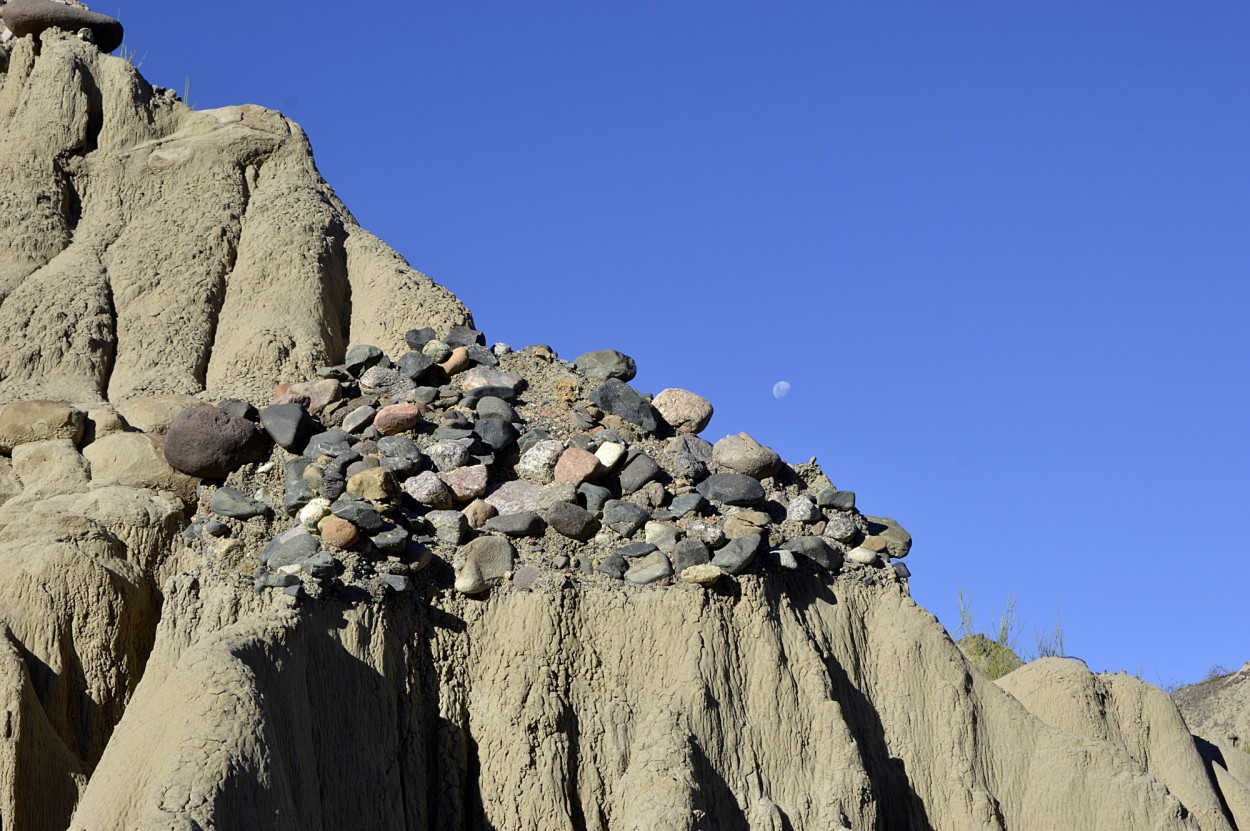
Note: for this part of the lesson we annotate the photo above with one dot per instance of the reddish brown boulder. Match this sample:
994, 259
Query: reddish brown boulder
210, 443
32, 17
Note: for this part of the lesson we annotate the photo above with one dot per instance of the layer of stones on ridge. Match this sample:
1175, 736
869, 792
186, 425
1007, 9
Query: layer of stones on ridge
514, 447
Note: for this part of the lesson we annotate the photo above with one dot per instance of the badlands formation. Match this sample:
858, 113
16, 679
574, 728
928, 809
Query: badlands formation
288, 545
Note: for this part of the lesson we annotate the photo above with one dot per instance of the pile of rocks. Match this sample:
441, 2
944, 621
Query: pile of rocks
514, 467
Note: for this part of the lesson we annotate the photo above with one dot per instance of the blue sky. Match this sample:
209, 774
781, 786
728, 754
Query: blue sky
998, 250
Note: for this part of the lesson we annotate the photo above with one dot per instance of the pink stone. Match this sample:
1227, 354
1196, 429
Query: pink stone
483, 376
516, 497
397, 418
320, 393
576, 466
525, 577
466, 482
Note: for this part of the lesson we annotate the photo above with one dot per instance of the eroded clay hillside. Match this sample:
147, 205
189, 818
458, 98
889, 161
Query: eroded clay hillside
162, 669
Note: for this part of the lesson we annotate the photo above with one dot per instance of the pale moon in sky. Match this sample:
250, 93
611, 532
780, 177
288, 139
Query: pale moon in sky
781, 389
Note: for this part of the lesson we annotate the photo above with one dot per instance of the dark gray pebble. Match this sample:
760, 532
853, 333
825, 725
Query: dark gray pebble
737, 554
732, 489
523, 524
235, 504
622, 400
625, 518
573, 521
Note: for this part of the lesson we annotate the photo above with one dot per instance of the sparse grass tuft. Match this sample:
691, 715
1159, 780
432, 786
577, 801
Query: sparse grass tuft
1001, 654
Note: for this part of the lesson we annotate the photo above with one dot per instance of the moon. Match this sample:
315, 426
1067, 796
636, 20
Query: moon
781, 389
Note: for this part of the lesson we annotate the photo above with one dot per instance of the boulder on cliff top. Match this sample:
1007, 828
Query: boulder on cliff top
33, 17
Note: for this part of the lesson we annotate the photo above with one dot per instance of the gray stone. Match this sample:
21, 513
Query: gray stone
901, 570
594, 497
329, 443
623, 401
447, 455
523, 524
709, 533
449, 527
277, 581
396, 582
687, 503
360, 357
321, 565
429, 490
743, 454
834, 498
637, 472
237, 505
401, 447
817, 550
606, 363
464, 336
525, 577
486, 561
538, 463
471, 397
530, 438
359, 418
453, 433
239, 408
663, 535
423, 395
841, 527
391, 541
289, 425
414, 366
625, 518
489, 406
737, 554
557, 492
783, 558
359, 513
687, 457
389, 383
573, 521
634, 550
417, 338
288, 548
898, 541
802, 509
479, 354
613, 565
689, 552
216, 529
496, 433
732, 489
298, 492
437, 349
649, 569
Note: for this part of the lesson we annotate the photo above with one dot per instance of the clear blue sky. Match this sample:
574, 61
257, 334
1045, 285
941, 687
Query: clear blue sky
999, 250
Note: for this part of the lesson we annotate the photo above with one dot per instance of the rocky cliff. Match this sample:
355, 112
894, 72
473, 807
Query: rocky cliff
162, 670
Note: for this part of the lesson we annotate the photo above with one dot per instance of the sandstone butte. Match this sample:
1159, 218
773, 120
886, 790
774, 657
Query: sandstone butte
152, 256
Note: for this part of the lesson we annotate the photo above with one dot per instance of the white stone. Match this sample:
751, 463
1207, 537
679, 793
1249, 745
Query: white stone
312, 513
610, 454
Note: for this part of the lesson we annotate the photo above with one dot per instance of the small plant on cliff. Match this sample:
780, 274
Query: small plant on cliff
1001, 654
